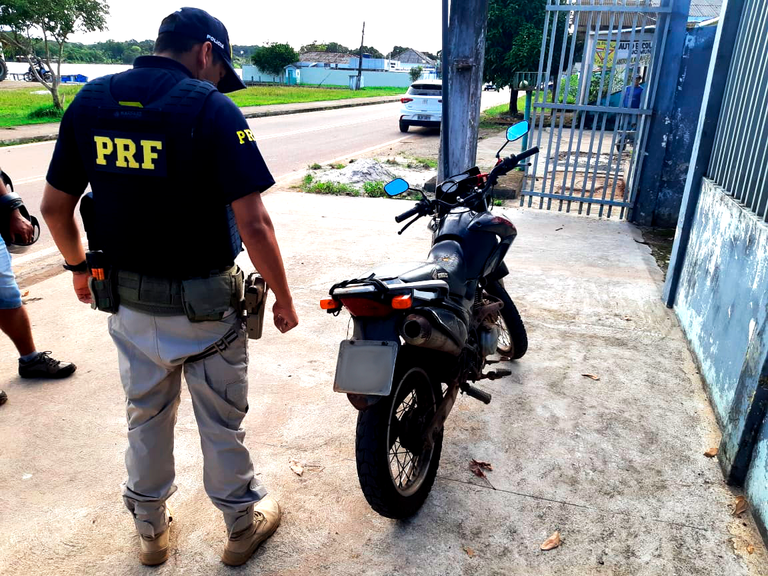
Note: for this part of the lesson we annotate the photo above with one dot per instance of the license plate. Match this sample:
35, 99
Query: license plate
366, 367
423, 117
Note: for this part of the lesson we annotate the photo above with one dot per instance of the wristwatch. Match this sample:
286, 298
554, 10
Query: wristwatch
82, 267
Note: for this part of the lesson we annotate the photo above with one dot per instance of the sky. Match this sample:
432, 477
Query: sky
416, 24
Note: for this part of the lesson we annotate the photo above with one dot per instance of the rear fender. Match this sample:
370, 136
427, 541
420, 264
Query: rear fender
500, 272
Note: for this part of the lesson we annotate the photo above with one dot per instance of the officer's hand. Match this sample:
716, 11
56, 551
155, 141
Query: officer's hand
80, 281
21, 229
285, 317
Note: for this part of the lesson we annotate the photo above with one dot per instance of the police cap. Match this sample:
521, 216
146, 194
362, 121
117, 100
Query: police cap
199, 25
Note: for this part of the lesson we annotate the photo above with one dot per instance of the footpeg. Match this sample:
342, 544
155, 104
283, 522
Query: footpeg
477, 394
496, 374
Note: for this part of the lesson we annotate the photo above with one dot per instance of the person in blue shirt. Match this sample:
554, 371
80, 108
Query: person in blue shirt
176, 180
634, 94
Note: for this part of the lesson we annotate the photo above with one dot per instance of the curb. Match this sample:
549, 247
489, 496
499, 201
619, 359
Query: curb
351, 103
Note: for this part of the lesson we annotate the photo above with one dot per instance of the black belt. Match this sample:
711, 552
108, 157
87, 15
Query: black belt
216, 348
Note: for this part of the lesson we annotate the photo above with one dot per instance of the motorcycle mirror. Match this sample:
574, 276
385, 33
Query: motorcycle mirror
517, 131
397, 186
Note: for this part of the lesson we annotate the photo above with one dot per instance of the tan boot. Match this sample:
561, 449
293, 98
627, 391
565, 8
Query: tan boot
156, 550
241, 546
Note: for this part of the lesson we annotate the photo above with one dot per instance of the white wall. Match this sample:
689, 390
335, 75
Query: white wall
328, 77
253, 74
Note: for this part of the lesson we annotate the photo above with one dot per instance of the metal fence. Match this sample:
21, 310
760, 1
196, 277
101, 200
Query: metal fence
590, 126
739, 160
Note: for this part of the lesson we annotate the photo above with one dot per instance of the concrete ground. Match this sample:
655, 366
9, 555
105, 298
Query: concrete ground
615, 464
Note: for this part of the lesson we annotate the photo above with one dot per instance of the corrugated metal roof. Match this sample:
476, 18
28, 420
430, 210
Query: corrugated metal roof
325, 57
705, 8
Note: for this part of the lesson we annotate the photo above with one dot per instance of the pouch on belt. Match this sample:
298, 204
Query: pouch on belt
208, 299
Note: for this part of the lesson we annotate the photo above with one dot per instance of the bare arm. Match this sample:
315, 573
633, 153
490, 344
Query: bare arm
58, 210
19, 226
258, 235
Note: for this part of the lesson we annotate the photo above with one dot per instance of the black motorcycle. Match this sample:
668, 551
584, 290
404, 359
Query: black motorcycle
424, 331
36, 63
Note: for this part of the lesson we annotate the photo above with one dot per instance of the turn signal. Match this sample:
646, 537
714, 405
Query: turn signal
402, 302
329, 304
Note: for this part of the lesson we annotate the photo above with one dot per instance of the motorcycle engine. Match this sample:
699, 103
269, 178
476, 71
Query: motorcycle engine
488, 336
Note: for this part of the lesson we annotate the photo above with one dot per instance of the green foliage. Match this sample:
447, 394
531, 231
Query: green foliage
425, 163
397, 50
338, 166
367, 50
330, 188
274, 57
49, 113
415, 73
374, 189
315, 166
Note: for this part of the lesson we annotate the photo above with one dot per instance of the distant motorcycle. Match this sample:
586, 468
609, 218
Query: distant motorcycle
423, 331
36, 63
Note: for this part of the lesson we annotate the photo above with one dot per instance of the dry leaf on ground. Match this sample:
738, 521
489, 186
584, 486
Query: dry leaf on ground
591, 376
551, 542
711, 453
478, 466
296, 466
740, 506
469, 551
750, 549
25, 294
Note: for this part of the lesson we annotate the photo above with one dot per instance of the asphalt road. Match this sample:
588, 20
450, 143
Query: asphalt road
288, 143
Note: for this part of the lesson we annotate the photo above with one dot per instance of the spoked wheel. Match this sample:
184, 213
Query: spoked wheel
513, 339
395, 471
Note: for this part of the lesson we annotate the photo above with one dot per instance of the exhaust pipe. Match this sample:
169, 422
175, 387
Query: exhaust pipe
418, 331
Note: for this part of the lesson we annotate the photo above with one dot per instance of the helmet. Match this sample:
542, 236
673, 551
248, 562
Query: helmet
8, 203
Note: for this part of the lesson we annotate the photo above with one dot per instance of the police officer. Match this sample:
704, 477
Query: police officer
176, 178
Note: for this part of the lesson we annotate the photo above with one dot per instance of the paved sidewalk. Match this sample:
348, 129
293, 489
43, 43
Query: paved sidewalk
615, 464
43, 132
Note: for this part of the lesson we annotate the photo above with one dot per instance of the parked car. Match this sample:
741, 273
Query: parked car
422, 105
491, 88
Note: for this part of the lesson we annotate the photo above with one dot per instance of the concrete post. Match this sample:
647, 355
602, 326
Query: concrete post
464, 55
722, 51
668, 72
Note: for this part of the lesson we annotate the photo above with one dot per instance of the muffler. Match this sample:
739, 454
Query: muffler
418, 331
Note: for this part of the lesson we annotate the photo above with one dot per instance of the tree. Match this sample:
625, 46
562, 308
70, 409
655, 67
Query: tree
513, 41
54, 21
368, 50
397, 50
274, 57
415, 73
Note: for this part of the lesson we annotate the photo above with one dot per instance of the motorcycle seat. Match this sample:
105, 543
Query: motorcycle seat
446, 262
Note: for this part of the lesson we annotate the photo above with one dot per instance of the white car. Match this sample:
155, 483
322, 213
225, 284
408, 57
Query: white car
422, 105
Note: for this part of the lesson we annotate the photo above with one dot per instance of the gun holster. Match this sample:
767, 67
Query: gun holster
255, 304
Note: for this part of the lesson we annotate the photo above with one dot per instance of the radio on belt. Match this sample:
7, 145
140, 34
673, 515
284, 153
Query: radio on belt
255, 304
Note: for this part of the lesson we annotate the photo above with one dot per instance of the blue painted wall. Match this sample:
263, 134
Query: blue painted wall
723, 294
722, 305
666, 166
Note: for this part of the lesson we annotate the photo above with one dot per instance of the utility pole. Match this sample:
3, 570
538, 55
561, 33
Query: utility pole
360, 61
463, 56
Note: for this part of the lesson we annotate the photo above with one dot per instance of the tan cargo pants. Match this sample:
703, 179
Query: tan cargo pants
152, 351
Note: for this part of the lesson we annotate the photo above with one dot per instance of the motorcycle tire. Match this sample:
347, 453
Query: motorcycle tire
387, 443
510, 324
3, 70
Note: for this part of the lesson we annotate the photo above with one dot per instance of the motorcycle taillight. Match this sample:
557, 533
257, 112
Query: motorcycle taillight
366, 307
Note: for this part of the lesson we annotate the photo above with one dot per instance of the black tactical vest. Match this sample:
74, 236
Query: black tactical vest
155, 210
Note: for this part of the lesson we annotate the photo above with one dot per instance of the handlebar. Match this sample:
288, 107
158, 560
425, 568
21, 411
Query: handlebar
408, 213
527, 153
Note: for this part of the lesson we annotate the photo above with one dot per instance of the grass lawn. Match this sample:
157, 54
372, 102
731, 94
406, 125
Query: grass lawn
18, 105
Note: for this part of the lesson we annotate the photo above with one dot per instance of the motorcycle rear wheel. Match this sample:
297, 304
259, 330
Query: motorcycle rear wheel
513, 338
395, 473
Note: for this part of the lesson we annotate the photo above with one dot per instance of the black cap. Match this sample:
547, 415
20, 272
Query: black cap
199, 25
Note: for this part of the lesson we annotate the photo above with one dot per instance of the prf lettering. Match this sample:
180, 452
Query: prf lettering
121, 152
244, 135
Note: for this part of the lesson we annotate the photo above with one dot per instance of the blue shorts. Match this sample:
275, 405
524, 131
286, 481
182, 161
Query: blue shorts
10, 296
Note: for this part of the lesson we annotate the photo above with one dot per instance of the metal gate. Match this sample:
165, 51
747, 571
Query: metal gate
590, 115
